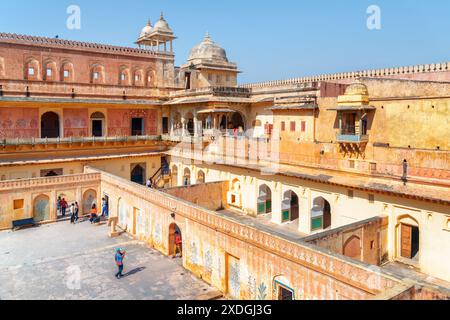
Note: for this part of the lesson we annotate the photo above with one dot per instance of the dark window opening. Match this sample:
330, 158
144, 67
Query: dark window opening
165, 125
187, 80
97, 128
137, 127
284, 293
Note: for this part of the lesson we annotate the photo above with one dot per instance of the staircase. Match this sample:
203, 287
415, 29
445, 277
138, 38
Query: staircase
161, 179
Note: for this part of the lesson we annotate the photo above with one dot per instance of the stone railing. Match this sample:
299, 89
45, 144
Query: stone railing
76, 45
47, 141
114, 93
424, 68
216, 91
74, 180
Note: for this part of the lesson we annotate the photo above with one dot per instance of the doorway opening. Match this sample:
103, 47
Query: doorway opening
410, 241
137, 126
284, 293
175, 241
50, 125
97, 120
138, 174
290, 210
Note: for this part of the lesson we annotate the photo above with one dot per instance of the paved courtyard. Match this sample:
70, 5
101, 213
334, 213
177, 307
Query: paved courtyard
62, 261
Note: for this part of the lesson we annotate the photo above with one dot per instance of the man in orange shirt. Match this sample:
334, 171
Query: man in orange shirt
178, 243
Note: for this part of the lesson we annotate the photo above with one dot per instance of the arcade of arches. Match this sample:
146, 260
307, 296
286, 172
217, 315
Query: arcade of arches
202, 122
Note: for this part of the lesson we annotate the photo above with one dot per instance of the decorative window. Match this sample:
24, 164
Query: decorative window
95, 75
49, 72
283, 126
66, 73
122, 77
292, 126
31, 71
303, 126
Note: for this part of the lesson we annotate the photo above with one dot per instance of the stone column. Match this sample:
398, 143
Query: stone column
183, 126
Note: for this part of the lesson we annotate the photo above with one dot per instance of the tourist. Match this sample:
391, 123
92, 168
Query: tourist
178, 243
58, 205
77, 211
64, 206
149, 183
93, 217
72, 213
104, 208
120, 255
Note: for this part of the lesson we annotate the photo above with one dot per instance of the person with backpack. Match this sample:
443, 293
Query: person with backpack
119, 256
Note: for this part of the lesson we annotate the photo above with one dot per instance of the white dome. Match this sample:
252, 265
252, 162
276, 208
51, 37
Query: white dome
208, 50
147, 29
162, 25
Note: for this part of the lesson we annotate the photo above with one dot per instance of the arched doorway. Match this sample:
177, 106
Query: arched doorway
236, 121
352, 248
283, 289
200, 177
190, 125
264, 200
174, 176
138, 174
409, 238
177, 124
50, 127
187, 177
290, 211
89, 199
174, 232
97, 124
320, 214
41, 208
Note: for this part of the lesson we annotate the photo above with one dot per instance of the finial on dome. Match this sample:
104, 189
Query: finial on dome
149, 23
207, 37
162, 16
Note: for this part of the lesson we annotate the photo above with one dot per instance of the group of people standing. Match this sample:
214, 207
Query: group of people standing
74, 209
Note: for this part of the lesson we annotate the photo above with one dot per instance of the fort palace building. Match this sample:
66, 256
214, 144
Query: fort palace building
335, 186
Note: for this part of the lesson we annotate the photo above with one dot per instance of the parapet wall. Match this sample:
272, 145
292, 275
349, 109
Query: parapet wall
36, 198
369, 236
434, 71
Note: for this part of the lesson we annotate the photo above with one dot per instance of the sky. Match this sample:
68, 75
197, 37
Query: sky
269, 40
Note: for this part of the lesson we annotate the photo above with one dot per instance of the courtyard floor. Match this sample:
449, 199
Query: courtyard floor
76, 262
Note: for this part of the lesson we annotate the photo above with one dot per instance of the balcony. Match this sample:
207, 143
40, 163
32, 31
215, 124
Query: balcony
215, 91
72, 140
352, 138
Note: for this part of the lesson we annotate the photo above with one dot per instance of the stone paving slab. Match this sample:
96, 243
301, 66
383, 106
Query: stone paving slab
65, 262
